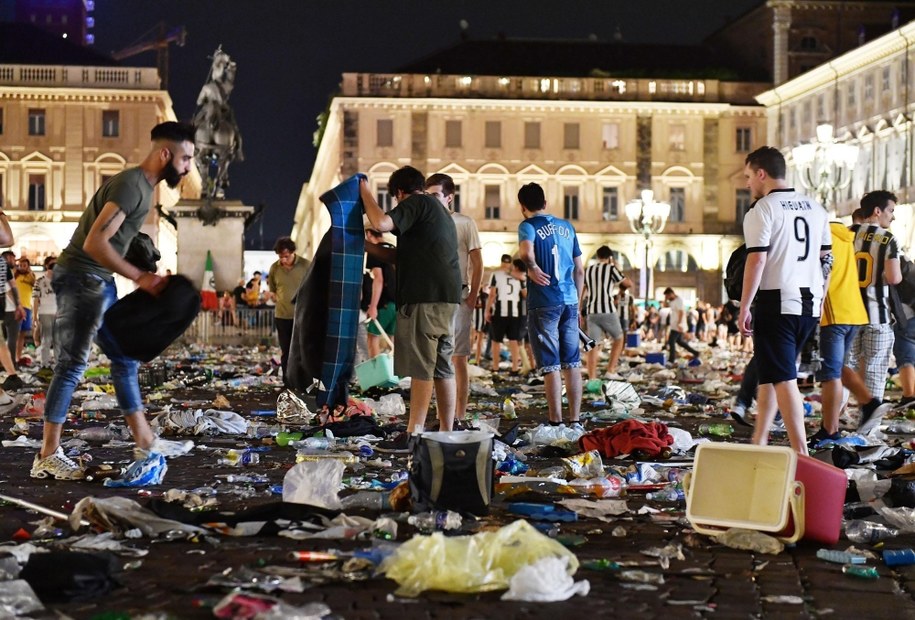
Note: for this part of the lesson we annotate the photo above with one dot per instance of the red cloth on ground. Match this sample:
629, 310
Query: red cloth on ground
626, 436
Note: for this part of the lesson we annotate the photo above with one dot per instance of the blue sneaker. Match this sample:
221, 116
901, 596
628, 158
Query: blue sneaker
147, 471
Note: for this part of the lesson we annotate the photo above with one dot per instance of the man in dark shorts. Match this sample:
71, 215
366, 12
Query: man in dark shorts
788, 262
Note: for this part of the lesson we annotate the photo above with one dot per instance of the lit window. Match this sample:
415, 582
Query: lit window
652, 87
465, 81
545, 85
610, 135
504, 82
677, 137
619, 86
111, 123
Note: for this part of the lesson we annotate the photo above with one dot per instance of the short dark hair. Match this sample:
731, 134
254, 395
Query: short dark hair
440, 178
258, 273
506, 258
603, 252
531, 197
769, 159
408, 180
519, 265
284, 243
669, 291
173, 132
877, 199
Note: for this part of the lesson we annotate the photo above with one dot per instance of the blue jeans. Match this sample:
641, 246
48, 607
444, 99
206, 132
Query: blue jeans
904, 347
553, 332
82, 299
835, 345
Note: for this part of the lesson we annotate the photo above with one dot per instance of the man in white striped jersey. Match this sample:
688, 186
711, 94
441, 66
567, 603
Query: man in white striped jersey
789, 258
877, 257
503, 311
603, 317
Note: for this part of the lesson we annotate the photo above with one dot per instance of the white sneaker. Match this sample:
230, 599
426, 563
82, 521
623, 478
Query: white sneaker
58, 465
165, 447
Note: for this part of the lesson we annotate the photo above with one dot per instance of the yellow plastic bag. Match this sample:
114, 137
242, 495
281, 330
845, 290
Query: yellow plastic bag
478, 563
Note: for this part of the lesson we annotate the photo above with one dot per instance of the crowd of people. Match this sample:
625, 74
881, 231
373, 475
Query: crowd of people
805, 279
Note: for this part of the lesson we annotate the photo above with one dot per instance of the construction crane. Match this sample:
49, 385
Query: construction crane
156, 38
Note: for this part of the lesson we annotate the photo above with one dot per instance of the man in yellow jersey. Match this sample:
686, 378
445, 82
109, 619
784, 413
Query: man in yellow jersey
843, 313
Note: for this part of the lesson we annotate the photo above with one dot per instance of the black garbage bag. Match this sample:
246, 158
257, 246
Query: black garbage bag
64, 576
144, 326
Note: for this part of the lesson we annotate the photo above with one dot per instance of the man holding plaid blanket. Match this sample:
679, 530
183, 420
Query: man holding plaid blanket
427, 295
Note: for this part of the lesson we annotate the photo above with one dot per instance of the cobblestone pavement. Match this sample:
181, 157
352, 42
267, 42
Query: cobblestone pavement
712, 581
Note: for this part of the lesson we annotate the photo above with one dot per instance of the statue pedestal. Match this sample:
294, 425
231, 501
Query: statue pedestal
224, 239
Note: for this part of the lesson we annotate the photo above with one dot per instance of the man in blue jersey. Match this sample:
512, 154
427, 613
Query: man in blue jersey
549, 248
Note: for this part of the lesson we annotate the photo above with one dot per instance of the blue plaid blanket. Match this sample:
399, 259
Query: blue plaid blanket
344, 289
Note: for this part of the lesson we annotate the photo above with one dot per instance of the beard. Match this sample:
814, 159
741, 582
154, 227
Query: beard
172, 177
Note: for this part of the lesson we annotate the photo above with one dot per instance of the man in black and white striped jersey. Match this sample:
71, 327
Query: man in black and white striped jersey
603, 317
877, 256
503, 312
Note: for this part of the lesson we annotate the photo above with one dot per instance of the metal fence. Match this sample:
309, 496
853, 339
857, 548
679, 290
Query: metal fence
244, 326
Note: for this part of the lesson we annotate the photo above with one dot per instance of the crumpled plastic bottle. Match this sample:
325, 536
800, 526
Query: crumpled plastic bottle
861, 531
436, 521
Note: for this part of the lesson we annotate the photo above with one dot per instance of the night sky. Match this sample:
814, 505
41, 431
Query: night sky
291, 54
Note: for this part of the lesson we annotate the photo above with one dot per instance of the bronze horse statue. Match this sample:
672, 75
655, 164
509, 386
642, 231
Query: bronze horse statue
218, 140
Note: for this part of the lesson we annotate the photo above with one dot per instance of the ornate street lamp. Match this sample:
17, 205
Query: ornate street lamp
824, 166
647, 217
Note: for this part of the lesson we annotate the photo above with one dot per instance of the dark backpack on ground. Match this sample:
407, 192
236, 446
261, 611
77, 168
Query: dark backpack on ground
733, 273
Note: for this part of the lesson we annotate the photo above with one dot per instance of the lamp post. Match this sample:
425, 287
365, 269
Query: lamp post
647, 217
824, 166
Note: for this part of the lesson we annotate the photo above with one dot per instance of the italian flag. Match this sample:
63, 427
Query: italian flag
208, 290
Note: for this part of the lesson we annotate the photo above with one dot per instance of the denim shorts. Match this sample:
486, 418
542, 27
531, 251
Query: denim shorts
553, 333
835, 345
904, 348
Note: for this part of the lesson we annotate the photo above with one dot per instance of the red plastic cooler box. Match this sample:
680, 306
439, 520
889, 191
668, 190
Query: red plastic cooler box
767, 488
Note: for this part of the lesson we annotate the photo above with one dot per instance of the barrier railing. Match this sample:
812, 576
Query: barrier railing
244, 326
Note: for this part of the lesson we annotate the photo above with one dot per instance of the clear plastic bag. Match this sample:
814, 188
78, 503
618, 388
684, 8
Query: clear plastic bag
314, 483
18, 599
480, 563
